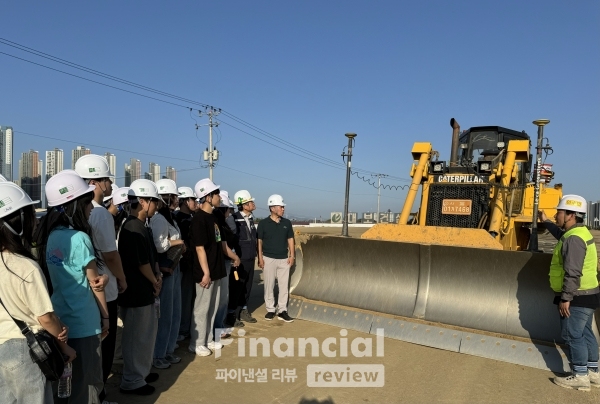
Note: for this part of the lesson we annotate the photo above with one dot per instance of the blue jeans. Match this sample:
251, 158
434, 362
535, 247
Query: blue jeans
577, 332
21, 380
170, 315
224, 298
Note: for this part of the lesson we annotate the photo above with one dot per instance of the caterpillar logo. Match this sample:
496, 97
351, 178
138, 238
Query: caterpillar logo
572, 202
460, 178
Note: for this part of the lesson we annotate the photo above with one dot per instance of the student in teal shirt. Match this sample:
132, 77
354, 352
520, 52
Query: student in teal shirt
78, 297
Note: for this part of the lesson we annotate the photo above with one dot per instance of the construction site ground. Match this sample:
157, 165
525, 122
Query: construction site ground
413, 373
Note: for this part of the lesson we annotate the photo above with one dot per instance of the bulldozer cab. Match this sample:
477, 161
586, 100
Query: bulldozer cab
482, 147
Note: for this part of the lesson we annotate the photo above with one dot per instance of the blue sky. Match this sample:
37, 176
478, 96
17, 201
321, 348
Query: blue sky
394, 72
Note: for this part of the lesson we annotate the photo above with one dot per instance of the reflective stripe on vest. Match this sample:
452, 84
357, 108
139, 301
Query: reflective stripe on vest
589, 279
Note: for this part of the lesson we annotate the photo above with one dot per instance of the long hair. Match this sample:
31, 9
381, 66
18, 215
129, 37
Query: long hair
12, 243
59, 216
119, 218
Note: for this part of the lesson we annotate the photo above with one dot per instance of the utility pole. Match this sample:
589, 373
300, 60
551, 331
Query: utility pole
378, 190
350, 137
211, 154
533, 243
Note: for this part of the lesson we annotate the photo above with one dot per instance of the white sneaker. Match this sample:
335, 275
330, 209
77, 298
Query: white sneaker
594, 378
212, 345
201, 351
576, 382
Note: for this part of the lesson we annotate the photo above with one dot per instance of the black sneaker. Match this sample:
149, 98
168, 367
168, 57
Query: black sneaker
285, 317
246, 316
151, 378
231, 321
145, 390
269, 316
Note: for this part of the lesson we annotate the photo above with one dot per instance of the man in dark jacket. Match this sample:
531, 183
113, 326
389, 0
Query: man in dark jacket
246, 248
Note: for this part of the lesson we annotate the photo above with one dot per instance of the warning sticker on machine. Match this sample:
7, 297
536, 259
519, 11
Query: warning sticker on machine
456, 207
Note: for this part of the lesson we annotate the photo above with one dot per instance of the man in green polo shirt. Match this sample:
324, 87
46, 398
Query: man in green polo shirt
276, 256
573, 278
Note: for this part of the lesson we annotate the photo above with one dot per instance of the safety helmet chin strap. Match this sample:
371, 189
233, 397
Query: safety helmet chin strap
4, 224
70, 218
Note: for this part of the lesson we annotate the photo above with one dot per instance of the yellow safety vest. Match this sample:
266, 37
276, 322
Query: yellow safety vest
589, 279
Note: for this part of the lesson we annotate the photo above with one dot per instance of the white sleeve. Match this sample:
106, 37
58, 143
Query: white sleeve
103, 230
160, 232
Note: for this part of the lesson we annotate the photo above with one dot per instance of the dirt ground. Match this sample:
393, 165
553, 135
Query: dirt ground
411, 373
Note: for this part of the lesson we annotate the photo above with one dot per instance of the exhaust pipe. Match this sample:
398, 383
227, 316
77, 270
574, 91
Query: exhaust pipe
454, 146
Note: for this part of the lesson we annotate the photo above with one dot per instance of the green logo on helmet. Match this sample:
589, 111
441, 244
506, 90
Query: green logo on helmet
63, 190
92, 169
2, 204
162, 187
142, 189
201, 189
240, 200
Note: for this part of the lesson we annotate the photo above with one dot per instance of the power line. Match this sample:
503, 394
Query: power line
331, 163
182, 159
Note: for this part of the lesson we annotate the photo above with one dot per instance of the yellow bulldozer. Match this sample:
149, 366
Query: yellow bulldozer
455, 274
483, 198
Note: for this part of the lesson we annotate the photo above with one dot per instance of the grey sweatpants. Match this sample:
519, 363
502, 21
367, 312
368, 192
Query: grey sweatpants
205, 311
276, 269
139, 334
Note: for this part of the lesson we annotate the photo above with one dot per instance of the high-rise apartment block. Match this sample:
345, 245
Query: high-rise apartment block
154, 171
6, 152
112, 164
30, 174
171, 173
133, 171
54, 163
78, 152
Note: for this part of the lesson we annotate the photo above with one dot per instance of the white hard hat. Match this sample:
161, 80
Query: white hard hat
574, 203
225, 201
3, 178
120, 195
242, 197
186, 192
205, 187
66, 186
167, 186
92, 166
276, 200
143, 189
114, 187
12, 198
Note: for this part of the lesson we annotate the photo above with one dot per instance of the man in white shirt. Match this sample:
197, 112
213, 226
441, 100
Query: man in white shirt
95, 170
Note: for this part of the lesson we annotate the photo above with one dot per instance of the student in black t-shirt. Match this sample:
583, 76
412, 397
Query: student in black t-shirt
208, 268
137, 308
183, 217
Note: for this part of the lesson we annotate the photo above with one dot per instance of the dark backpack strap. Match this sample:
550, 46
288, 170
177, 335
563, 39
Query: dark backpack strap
21, 324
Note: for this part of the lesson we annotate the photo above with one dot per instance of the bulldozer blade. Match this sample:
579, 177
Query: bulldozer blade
491, 303
447, 236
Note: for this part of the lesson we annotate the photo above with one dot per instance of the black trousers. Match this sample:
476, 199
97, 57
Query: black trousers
108, 344
239, 291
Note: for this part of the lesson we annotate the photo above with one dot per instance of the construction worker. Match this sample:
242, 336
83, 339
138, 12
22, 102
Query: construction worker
573, 278
95, 170
276, 254
246, 246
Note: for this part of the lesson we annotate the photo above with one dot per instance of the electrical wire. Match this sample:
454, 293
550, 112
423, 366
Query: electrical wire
47, 56
183, 159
